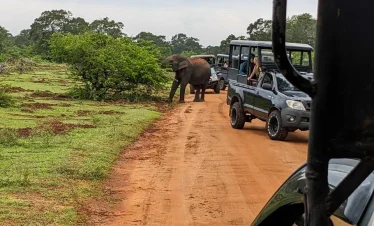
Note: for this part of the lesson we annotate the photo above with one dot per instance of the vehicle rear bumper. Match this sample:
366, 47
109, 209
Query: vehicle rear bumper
295, 119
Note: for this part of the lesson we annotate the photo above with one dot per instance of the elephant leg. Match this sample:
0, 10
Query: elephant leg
197, 96
183, 90
174, 88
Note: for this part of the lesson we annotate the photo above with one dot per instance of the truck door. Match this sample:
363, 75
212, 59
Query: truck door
249, 99
263, 97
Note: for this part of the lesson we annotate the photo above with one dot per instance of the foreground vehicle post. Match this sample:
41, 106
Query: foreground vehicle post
342, 116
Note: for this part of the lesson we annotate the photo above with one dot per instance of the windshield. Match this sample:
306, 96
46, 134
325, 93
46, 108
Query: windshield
297, 57
285, 85
210, 60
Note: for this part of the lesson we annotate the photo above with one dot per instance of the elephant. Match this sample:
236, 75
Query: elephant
194, 71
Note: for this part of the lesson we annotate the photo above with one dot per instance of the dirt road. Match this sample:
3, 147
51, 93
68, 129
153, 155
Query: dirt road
192, 168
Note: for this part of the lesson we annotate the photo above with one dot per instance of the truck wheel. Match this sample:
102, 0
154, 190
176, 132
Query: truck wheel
192, 90
217, 89
274, 126
222, 84
237, 116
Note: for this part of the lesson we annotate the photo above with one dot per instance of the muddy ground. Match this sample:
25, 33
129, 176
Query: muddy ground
192, 168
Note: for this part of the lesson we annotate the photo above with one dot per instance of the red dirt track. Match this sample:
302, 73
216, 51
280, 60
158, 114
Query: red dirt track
192, 168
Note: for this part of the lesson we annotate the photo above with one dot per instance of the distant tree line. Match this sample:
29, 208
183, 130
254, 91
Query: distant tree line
35, 40
109, 63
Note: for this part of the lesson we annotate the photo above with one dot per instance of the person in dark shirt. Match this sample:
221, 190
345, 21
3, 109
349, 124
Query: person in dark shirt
243, 68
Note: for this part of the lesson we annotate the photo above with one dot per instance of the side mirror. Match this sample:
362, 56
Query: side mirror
267, 86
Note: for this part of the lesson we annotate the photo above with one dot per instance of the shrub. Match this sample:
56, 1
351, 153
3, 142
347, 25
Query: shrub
108, 66
5, 99
8, 137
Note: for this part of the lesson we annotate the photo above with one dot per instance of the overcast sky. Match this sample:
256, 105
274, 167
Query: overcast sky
208, 20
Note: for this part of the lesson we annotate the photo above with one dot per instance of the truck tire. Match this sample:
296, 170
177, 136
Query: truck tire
217, 88
274, 126
237, 116
222, 84
192, 90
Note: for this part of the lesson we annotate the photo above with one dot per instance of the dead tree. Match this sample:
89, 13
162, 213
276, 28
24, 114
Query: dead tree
342, 118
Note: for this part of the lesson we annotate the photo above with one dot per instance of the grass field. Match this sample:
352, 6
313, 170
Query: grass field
54, 150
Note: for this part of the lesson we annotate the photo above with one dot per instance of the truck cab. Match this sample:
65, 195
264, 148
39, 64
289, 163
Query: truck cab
222, 71
211, 59
270, 98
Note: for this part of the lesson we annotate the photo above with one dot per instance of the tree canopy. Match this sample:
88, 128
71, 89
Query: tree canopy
36, 39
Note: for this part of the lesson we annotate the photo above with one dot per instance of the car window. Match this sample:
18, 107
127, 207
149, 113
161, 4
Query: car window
234, 63
371, 223
285, 85
220, 61
267, 78
306, 61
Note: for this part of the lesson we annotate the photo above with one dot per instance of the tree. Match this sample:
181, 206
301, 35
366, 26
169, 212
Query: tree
159, 41
5, 39
225, 44
109, 27
212, 50
108, 66
23, 39
188, 53
181, 42
301, 29
260, 30
76, 26
55, 21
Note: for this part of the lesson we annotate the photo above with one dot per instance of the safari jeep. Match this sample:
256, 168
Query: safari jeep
272, 98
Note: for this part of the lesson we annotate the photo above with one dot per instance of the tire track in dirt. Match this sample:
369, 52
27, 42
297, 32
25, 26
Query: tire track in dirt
192, 168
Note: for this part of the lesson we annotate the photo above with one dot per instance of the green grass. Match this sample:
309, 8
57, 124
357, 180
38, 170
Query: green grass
45, 176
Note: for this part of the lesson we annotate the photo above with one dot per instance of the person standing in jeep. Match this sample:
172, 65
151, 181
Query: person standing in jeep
256, 71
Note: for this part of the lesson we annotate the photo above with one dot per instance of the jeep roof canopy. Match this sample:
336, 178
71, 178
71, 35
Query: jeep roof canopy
203, 56
269, 44
223, 55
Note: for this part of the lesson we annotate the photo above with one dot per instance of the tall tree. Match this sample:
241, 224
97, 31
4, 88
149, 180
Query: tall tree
109, 27
225, 44
23, 38
5, 39
181, 42
260, 30
301, 29
76, 26
212, 50
55, 21
158, 40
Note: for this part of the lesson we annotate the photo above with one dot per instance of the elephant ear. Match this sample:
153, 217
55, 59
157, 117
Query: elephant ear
182, 64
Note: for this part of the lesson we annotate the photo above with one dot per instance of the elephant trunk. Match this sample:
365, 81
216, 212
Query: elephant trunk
174, 88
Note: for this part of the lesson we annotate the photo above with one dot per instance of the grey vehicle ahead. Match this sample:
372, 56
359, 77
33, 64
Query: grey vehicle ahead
270, 98
222, 72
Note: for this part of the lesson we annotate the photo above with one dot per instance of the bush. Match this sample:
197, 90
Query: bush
8, 137
5, 99
107, 66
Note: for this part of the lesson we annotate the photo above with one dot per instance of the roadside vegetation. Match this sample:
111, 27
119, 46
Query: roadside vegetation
56, 149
